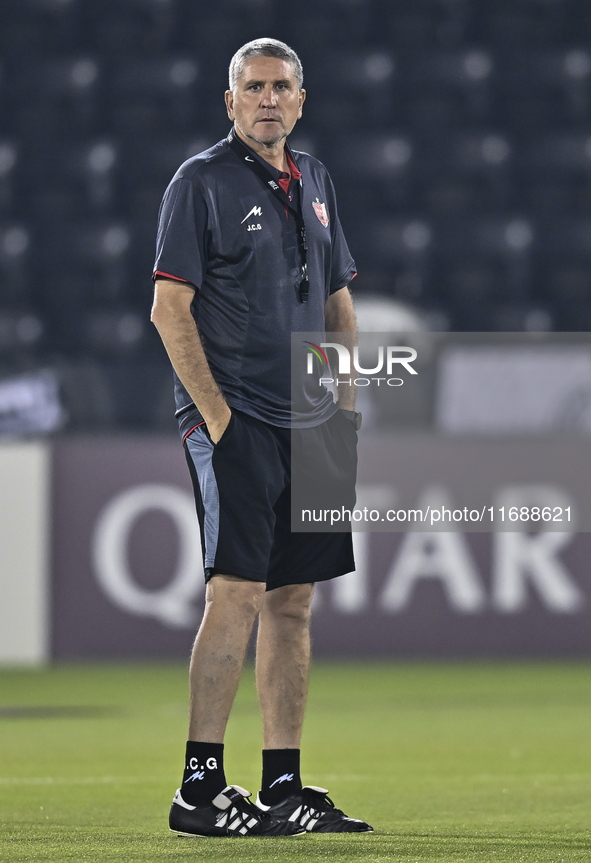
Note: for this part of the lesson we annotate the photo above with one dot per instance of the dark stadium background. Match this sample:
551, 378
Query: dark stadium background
457, 133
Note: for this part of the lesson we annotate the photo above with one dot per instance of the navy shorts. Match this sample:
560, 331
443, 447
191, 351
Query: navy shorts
242, 490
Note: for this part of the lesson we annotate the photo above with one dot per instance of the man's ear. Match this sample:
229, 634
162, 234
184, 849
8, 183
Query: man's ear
229, 97
302, 100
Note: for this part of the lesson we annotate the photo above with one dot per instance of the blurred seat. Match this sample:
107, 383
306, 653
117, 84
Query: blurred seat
471, 283
135, 26
568, 282
9, 157
447, 196
147, 94
70, 87
100, 248
409, 239
413, 25
567, 153
461, 79
515, 25
575, 316
158, 160
498, 237
507, 245
568, 237
21, 331
87, 172
548, 89
472, 288
379, 156
16, 263
521, 317
463, 70
39, 27
360, 69
169, 76
556, 172
114, 331
482, 160
485, 153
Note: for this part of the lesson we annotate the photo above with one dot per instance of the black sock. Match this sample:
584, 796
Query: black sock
204, 775
281, 775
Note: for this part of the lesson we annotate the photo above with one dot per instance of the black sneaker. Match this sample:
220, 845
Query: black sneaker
231, 813
313, 809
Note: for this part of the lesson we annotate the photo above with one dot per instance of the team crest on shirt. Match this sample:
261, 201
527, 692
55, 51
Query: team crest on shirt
321, 212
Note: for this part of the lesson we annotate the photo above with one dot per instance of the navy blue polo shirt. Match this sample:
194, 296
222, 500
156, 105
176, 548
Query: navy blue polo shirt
224, 231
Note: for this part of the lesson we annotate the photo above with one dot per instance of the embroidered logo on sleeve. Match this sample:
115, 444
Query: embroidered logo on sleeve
321, 212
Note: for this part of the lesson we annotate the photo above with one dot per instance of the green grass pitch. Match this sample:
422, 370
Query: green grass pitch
449, 762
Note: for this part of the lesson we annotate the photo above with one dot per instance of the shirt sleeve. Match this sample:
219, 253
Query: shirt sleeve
182, 227
343, 268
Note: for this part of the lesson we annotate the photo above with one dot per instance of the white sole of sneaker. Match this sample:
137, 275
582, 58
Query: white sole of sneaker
201, 836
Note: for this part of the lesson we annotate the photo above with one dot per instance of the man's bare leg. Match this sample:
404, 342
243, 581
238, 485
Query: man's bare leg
231, 607
201, 807
282, 664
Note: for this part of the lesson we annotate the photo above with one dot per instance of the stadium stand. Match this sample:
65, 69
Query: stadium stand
458, 135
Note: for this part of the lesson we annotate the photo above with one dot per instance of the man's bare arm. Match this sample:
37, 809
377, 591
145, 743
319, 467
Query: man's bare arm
339, 316
171, 315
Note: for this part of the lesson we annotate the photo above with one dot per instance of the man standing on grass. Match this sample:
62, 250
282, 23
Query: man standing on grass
250, 249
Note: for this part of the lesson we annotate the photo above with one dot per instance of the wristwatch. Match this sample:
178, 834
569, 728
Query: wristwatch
354, 416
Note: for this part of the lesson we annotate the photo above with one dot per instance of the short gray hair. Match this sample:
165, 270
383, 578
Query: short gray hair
264, 48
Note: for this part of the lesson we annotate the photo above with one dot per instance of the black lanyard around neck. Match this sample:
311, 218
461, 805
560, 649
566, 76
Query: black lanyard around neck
244, 154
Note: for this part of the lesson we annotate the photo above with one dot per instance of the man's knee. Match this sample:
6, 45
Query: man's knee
240, 593
293, 603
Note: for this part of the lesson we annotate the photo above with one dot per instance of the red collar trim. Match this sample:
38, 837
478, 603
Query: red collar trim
296, 175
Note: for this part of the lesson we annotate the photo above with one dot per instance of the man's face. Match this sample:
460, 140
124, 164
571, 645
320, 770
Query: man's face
266, 103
